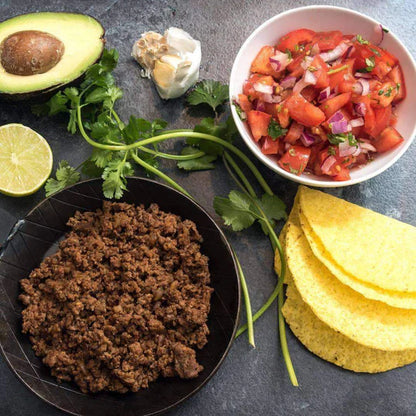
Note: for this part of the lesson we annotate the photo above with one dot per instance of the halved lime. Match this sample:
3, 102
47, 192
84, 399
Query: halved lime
25, 160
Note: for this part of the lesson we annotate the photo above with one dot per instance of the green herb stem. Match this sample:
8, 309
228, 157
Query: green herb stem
247, 302
240, 174
161, 175
172, 156
335, 70
283, 344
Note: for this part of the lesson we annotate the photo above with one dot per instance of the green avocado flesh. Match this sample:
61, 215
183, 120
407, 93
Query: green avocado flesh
82, 39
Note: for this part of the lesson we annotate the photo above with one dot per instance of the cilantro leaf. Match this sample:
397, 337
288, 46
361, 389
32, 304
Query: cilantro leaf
200, 163
235, 210
208, 92
72, 122
114, 176
275, 130
224, 130
239, 110
56, 104
136, 128
158, 124
274, 209
65, 175
370, 65
101, 157
240, 210
90, 169
341, 138
361, 40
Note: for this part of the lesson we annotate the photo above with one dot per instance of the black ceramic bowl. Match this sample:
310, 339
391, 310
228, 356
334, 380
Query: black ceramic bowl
37, 236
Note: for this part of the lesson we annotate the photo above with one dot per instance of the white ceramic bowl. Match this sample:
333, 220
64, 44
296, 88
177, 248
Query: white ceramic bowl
323, 18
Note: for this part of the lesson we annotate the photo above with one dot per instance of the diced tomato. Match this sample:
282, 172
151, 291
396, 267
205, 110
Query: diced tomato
244, 103
393, 120
309, 93
342, 175
383, 94
294, 39
327, 40
295, 64
346, 85
248, 87
283, 116
261, 63
295, 159
270, 146
383, 61
322, 77
361, 159
294, 132
388, 139
259, 123
343, 75
329, 107
383, 117
396, 75
303, 111
369, 117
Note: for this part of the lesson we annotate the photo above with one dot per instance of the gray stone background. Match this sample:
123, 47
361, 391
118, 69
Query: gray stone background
251, 381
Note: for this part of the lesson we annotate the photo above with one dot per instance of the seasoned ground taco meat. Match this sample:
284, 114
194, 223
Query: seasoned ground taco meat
123, 301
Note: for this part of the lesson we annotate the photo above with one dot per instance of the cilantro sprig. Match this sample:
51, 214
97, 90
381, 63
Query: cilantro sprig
209, 92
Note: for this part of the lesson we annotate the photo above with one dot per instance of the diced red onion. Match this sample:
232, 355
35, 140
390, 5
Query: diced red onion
357, 88
259, 105
324, 94
346, 150
357, 151
367, 147
350, 50
279, 61
315, 49
307, 139
360, 109
288, 82
335, 53
287, 146
363, 75
310, 78
327, 165
300, 85
366, 86
269, 98
307, 79
306, 62
338, 116
379, 32
357, 122
263, 88
338, 127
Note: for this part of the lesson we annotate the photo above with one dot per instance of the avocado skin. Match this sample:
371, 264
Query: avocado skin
39, 96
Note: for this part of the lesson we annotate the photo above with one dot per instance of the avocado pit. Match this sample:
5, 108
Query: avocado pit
30, 52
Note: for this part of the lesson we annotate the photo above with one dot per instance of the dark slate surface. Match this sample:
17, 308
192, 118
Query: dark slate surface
250, 381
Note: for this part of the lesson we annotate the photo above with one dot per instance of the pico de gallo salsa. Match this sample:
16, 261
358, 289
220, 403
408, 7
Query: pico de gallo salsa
323, 102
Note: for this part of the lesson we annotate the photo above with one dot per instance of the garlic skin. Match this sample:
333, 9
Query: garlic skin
171, 60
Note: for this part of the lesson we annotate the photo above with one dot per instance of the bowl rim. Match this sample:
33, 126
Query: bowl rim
15, 229
304, 178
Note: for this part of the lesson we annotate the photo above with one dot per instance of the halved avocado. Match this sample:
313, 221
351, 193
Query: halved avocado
42, 52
